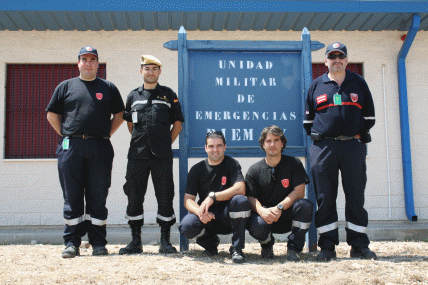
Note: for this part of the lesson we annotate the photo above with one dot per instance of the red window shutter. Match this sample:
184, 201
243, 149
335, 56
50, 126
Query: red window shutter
29, 88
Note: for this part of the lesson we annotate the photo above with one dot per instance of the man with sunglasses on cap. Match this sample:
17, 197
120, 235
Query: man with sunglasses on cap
338, 118
150, 111
276, 190
222, 207
85, 111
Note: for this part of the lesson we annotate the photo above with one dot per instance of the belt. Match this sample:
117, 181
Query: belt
89, 137
342, 138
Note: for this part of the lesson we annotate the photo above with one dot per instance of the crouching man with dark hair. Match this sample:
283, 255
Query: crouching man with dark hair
276, 190
222, 207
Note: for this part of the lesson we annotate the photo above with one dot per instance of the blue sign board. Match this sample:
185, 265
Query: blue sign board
239, 88
240, 93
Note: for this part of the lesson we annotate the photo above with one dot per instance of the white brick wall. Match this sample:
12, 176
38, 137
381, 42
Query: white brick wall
30, 192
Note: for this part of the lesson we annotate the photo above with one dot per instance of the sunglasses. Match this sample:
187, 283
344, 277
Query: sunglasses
334, 56
272, 174
219, 133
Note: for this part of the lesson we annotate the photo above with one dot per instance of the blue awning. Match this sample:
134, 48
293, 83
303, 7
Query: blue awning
205, 15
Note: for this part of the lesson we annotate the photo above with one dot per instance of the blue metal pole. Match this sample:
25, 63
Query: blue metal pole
184, 134
404, 119
311, 239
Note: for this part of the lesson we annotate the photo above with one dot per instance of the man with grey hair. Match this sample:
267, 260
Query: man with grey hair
276, 190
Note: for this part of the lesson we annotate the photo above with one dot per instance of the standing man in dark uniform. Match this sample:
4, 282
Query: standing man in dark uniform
80, 112
150, 111
276, 190
339, 116
222, 207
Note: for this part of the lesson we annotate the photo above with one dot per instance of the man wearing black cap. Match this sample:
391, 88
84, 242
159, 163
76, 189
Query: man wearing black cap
150, 111
85, 111
338, 118
222, 207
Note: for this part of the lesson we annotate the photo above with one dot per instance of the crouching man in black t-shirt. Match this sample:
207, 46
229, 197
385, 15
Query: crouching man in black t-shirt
222, 207
276, 190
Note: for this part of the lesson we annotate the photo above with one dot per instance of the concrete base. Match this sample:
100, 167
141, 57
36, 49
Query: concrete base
121, 234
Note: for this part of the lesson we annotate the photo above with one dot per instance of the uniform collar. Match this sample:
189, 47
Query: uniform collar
349, 76
141, 89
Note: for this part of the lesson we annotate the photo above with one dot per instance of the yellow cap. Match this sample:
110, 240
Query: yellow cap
150, 59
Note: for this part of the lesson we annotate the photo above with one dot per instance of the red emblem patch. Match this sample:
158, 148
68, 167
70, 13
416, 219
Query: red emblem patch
223, 180
285, 183
321, 99
99, 96
354, 97
88, 48
336, 45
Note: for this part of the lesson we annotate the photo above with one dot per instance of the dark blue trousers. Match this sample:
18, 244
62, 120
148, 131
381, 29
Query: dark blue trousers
228, 220
137, 177
85, 176
327, 157
296, 219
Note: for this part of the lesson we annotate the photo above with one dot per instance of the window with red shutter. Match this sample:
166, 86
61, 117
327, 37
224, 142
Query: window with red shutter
29, 88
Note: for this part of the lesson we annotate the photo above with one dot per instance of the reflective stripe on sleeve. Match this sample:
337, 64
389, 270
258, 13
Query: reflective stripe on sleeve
369, 118
139, 217
142, 102
355, 228
237, 215
327, 228
308, 121
161, 102
166, 219
301, 225
75, 221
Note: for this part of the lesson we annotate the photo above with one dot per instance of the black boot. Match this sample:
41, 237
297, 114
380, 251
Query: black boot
165, 244
135, 246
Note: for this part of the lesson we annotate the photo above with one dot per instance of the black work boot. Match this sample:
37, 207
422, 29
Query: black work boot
135, 246
165, 244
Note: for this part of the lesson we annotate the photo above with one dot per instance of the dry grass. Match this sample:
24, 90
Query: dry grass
398, 263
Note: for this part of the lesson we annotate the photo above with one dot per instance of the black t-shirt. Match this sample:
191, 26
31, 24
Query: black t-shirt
204, 178
272, 187
154, 111
86, 106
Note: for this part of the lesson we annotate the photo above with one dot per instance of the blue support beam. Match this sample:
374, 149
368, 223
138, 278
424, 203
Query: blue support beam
404, 119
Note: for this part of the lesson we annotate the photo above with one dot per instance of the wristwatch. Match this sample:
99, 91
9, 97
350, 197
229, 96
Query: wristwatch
212, 196
280, 207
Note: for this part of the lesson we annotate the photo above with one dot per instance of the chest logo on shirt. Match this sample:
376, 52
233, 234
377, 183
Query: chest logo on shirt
223, 180
163, 98
321, 99
99, 96
354, 97
285, 183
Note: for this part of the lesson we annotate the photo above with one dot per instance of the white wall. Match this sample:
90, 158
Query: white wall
29, 189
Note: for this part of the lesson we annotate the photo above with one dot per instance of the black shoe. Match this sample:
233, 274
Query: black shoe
267, 252
209, 243
99, 250
237, 255
363, 253
292, 255
326, 255
70, 251
133, 247
165, 244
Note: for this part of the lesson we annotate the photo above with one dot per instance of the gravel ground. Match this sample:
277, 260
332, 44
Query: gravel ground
398, 263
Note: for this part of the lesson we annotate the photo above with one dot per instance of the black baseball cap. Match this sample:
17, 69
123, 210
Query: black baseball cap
336, 46
87, 50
